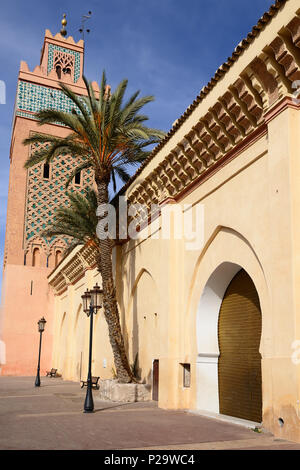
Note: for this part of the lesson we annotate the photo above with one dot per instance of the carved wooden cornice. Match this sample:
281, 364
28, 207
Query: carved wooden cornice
72, 268
222, 70
239, 114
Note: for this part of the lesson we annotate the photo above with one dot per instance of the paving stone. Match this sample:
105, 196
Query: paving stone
51, 417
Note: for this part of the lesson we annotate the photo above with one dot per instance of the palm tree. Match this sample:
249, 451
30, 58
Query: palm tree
108, 136
77, 221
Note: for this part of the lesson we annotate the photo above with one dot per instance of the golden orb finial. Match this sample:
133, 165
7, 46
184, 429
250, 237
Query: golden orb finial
63, 31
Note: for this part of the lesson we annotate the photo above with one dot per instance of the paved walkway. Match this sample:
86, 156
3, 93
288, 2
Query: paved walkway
50, 418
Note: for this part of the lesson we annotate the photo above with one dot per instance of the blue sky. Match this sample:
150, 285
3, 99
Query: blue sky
166, 48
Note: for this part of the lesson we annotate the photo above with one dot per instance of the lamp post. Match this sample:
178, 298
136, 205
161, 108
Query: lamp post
92, 302
41, 327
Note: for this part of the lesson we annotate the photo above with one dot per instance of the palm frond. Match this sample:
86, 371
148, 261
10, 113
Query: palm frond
78, 169
78, 220
108, 131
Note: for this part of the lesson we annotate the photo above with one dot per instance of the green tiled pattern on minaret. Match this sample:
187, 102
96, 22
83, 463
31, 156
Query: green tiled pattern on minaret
45, 195
33, 98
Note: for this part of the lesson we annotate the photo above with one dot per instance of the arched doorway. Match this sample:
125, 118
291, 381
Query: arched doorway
239, 364
208, 344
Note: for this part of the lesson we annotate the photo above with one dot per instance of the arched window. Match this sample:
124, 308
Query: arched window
46, 171
78, 178
57, 257
63, 64
58, 71
36, 257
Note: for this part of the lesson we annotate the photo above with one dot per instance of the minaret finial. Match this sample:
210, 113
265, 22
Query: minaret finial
63, 30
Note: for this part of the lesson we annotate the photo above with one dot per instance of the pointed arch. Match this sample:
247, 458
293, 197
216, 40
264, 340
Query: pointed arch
142, 271
143, 321
225, 253
36, 257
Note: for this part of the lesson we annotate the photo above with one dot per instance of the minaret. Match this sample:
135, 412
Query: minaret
33, 197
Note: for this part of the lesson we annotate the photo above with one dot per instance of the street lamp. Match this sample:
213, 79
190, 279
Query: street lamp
41, 327
92, 302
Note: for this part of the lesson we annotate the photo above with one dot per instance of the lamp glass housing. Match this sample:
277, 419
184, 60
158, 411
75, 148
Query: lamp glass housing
86, 299
41, 324
97, 297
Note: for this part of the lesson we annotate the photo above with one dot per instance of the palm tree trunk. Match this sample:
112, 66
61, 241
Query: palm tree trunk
111, 312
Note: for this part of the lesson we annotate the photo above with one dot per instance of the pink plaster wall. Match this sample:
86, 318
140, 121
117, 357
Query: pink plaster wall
22, 310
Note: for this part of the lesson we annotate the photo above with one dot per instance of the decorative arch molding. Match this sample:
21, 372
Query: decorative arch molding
78, 344
209, 307
143, 324
48, 247
36, 242
78, 312
219, 229
225, 253
134, 288
62, 323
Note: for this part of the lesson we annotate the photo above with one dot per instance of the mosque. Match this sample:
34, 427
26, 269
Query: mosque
215, 327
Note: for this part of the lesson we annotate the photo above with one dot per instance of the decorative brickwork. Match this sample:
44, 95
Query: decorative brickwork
46, 194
